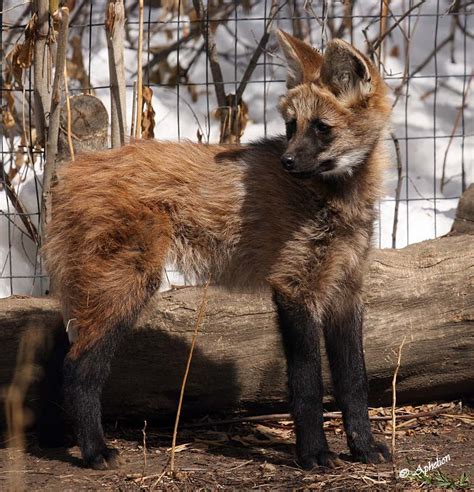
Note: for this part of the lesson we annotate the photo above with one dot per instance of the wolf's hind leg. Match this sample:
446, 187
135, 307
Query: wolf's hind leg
111, 286
101, 325
84, 377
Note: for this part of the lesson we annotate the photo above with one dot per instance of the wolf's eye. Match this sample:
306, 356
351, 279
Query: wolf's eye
290, 128
320, 126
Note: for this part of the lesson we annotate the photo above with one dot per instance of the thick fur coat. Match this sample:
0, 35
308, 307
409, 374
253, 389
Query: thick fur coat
293, 213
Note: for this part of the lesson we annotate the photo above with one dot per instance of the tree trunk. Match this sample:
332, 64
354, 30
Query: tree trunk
424, 292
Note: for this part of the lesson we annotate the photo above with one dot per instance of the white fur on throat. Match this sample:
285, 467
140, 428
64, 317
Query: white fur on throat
347, 162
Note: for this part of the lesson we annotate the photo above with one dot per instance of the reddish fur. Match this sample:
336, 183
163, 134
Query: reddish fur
234, 216
228, 214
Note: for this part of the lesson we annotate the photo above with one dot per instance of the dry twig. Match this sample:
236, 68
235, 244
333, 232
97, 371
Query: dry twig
422, 65
200, 317
144, 452
221, 14
398, 188
374, 46
134, 108
69, 118
18, 418
138, 125
327, 415
275, 9
31, 230
394, 400
455, 127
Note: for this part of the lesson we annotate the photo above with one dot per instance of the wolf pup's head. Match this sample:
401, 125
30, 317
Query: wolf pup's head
335, 109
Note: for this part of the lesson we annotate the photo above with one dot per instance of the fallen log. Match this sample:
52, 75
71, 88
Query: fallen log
424, 292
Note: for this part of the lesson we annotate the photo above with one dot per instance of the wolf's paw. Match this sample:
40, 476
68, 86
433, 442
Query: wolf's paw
107, 459
375, 452
324, 458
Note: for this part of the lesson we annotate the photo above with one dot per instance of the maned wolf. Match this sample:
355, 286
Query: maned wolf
293, 213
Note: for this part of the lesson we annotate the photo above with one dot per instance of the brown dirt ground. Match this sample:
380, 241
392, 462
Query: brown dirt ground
253, 455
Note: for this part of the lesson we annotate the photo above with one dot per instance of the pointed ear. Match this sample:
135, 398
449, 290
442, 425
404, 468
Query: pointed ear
303, 60
345, 70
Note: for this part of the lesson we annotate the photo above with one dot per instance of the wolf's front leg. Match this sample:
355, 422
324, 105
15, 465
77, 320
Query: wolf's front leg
343, 334
301, 344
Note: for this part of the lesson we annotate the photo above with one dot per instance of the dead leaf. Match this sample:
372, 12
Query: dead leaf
181, 447
268, 468
148, 117
234, 121
395, 51
275, 434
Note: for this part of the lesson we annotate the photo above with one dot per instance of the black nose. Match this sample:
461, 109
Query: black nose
288, 161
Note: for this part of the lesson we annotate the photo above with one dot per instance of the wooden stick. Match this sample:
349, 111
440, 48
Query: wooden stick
398, 188
134, 106
144, 452
394, 400
199, 319
69, 118
138, 127
327, 415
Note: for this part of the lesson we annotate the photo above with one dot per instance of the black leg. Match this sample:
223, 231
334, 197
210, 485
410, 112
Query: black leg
301, 344
343, 335
84, 378
52, 427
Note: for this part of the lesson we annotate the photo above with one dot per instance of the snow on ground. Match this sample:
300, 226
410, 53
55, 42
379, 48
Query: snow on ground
423, 123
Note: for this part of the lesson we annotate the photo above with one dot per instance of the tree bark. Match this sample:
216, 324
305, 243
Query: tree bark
424, 291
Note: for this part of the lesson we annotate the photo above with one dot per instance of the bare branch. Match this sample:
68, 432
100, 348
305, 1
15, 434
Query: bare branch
115, 29
41, 92
138, 126
199, 319
194, 32
394, 399
54, 120
18, 205
212, 52
453, 131
398, 188
275, 9
377, 43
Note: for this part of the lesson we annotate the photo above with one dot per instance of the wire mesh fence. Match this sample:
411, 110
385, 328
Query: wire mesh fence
212, 72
